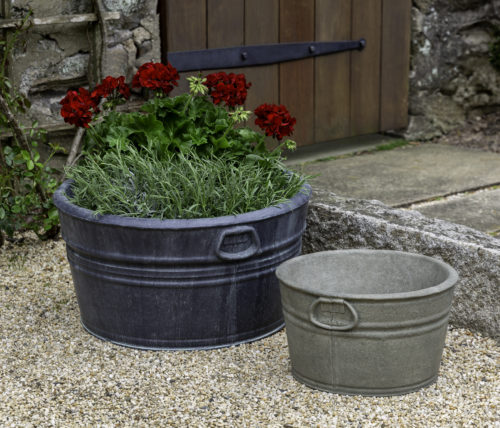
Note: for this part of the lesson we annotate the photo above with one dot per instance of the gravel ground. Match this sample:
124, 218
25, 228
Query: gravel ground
53, 373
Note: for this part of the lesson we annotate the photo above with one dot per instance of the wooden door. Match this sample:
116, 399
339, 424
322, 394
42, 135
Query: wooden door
334, 96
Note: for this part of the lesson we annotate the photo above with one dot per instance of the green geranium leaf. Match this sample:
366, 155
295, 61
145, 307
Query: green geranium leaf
26, 156
53, 214
220, 125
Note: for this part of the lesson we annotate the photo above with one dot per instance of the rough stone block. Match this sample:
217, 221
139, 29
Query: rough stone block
451, 75
116, 61
42, 8
339, 223
141, 35
127, 7
152, 26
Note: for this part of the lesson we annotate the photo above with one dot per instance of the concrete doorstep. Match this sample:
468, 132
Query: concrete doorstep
479, 210
405, 177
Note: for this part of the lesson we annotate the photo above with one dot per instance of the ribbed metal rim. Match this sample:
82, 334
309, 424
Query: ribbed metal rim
448, 283
63, 204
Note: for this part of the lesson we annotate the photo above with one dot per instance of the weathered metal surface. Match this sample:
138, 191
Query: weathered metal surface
180, 284
245, 56
369, 322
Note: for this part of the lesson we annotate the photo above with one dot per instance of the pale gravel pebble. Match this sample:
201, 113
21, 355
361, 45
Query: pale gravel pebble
53, 373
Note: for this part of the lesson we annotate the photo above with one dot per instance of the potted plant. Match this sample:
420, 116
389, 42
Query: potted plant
176, 216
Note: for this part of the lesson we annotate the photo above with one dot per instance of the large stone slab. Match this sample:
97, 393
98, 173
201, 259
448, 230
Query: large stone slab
338, 223
406, 175
343, 146
480, 210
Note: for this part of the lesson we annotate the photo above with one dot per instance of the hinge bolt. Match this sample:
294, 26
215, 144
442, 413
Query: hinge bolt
312, 49
244, 56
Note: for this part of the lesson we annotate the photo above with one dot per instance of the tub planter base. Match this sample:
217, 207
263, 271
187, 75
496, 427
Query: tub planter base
202, 345
377, 392
180, 284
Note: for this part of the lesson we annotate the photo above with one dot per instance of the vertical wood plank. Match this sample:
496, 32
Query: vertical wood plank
365, 67
186, 24
261, 26
225, 23
162, 12
225, 26
186, 29
395, 66
297, 77
332, 72
261, 21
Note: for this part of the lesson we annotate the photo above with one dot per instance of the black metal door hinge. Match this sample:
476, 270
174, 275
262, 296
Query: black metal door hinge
246, 56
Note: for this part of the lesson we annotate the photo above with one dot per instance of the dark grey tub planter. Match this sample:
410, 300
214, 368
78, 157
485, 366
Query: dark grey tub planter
180, 284
368, 322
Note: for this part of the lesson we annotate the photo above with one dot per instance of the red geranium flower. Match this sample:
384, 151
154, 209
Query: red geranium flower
112, 86
155, 75
230, 88
78, 107
275, 120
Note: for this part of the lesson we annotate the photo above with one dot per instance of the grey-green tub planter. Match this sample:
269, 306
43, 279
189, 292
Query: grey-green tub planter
366, 322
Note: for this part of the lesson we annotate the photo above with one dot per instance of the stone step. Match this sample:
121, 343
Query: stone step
479, 210
407, 175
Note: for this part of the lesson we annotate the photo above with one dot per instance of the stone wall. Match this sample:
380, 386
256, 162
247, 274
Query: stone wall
133, 40
451, 78
57, 57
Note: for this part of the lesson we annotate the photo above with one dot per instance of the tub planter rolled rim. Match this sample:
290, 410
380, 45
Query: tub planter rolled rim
62, 202
450, 281
172, 259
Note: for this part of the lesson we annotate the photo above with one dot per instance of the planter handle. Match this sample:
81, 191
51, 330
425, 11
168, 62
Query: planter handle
230, 239
339, 327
